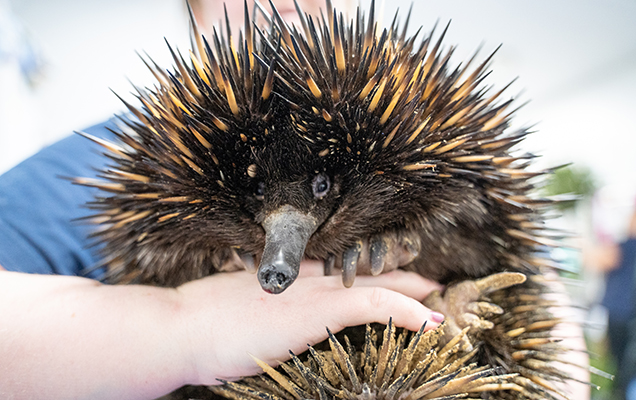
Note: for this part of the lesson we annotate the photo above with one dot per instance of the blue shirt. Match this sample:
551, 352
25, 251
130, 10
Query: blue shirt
38, 207
619, 286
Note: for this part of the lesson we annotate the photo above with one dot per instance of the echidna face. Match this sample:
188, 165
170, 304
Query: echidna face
327, 141
311, 202
293, 195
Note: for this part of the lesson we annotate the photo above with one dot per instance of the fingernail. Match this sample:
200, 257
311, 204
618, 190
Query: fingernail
437, 317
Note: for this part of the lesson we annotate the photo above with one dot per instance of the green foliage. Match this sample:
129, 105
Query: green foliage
570, 180
601, 359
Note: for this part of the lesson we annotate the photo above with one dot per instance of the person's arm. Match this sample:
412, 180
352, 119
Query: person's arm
72, 337
603, 257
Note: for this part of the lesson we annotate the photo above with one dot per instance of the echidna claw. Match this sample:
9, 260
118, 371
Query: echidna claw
495, 282
484, 308
350, 263
248, 262
379, 254
231, 261
330, 262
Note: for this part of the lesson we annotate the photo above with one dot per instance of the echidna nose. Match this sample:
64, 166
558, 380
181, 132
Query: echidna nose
287, 231
275, 278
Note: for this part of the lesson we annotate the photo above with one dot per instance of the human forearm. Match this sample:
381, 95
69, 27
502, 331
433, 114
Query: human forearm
70, 337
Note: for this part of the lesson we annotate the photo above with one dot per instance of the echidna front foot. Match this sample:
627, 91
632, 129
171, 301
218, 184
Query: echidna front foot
388, 252
230, 259
465, 304
374, 256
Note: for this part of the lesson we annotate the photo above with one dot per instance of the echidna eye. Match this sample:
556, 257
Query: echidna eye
260, 191
321, 185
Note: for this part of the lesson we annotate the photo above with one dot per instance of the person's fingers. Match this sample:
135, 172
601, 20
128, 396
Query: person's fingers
362, 305
245, 319
408, 283
397, 294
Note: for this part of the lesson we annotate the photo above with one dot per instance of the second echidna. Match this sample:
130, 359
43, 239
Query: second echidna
337, 141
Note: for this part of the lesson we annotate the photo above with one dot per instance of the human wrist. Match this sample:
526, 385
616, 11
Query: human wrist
148, 339
174, 354
193, 332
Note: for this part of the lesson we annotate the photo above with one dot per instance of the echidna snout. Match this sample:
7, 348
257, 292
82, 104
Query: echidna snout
287, 232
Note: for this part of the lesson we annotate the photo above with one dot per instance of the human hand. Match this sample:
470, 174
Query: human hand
72, 337
228, 317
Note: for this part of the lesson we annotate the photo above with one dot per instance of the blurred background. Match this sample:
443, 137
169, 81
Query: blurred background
575, 60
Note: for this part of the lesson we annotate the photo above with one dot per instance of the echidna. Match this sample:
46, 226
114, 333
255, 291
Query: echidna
402, 365
337, 141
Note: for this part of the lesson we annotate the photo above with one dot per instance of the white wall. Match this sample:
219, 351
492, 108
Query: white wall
88, 48
576, 61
